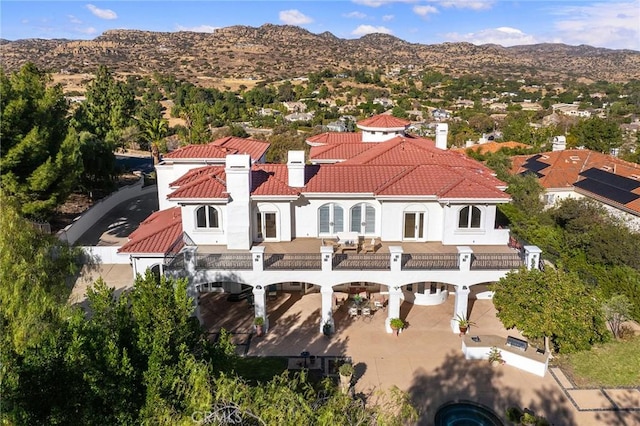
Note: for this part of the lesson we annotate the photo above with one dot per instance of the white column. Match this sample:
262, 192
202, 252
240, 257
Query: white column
260, 305
532, 257
393, 307
257, 255
327, 307
464, 255
396, 258
326, 254
190, 263
460, 306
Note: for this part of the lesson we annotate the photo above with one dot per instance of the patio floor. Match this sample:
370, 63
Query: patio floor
426, 359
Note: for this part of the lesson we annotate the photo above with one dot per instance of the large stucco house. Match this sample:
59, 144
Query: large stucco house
379, 212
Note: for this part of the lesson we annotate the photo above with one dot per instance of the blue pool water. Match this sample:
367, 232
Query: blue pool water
466, 413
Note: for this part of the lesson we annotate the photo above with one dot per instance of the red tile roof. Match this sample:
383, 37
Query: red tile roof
383, 121
563, 169
331, 138
210, 182
156, 234
220, 148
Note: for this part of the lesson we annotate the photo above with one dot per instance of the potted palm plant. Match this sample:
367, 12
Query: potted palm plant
463, 323
495, 357
396, 325
345, 372
258, 322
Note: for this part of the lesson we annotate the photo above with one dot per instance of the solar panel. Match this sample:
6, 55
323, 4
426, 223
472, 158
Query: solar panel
534, 165
607, 191
612, 179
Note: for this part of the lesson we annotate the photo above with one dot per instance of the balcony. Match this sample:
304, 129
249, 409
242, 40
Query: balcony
305, 254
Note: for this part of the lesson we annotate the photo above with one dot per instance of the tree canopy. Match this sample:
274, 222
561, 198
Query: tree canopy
550, 304
40, 159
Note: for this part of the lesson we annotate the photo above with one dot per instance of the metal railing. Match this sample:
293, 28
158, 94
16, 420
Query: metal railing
379, 262
486, 261
306, 261
425, 261
225, 261
177, 263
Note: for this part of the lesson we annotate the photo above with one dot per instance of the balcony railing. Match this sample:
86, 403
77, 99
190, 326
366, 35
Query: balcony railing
431, 261
224, 261
176, 263
496, 261
346, 261
292, 261
361, 261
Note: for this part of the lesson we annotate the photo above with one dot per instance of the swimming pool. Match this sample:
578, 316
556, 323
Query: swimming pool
466, 413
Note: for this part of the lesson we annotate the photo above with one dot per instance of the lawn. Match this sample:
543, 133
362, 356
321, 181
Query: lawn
260, 369
613, 364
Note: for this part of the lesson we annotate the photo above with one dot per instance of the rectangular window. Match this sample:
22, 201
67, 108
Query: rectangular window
270, 225
356, 219
370, 219
324, 219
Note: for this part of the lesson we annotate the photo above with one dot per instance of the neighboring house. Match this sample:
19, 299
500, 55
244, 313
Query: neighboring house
295, 106
337, 126
440, 114
385, 102
299, 116
379, 212
584, 173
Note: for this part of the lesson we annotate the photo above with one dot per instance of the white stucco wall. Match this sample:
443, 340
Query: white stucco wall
486, 234
205, 236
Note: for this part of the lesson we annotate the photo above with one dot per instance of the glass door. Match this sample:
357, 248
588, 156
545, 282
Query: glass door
413, 226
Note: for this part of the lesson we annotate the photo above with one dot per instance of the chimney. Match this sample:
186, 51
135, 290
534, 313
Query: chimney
442, 130
238, 224
295, 169
559, 143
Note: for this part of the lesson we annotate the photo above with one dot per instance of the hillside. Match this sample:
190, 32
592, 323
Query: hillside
282, 51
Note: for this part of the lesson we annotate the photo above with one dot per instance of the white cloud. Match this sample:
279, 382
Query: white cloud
87, 30
74, 20
504, 36
197, 28
355, 15
102, 13
378, 3
424, 10
612, 25
466, 4
370, 29
387, 18
294, 17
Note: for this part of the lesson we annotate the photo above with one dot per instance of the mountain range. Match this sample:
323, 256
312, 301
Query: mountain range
284, 51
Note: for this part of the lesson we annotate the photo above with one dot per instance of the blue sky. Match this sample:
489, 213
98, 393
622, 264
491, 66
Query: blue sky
613, 24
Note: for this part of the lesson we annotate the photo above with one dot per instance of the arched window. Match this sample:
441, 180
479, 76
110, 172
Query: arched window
363, 219
207, 217
469, 217
330, 219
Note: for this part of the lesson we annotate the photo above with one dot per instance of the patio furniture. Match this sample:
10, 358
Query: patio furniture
348, 241
366, 313
378, 304
371, 246
331, 243
353, 312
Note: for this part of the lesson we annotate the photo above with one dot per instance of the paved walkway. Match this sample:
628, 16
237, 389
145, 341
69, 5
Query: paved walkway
426, 359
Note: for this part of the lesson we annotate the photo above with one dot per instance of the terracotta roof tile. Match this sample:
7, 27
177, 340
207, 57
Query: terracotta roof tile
331, 138
220, 148
383, 121
561, 169
208, 186
156, 234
